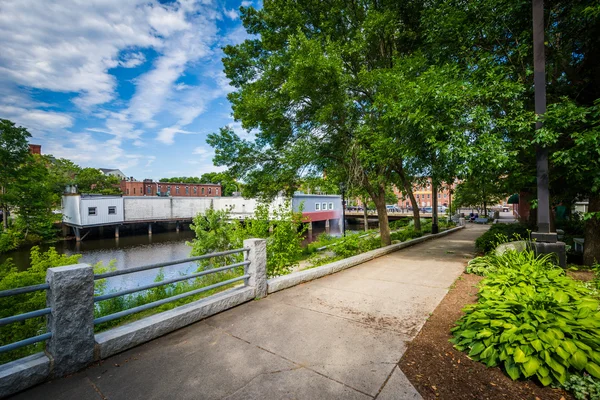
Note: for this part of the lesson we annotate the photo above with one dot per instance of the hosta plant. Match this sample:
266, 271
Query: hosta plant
532, 320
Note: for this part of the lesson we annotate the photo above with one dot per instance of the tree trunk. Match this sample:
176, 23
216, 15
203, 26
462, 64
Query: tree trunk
384, 226
4, 214
591, 247
434, 216
365, 214
485, 208
415, 206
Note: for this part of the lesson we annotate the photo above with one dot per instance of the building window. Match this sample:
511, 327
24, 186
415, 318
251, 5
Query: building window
91, 210
324, 206
176, 189
439, 196
112, 210
217, 191
331, 206
169, 189
429, 196
209, 190
127, 191
445, 195
317, 207
148, 190
417, 196
202, 190
195, 190
187, 190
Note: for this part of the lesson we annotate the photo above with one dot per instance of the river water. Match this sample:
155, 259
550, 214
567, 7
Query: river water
136, 250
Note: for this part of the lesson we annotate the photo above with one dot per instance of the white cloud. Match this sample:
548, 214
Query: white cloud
231, 14
132, 60
201, 151
36, 120
246, 3
167, 135
85, 150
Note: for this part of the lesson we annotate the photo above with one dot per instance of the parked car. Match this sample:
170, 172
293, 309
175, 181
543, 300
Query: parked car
392, 208
427, 210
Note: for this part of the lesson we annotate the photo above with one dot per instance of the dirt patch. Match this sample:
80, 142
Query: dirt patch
438, 371
584, 276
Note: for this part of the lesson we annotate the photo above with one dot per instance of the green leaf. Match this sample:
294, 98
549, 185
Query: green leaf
593, 369
579, 360
477, 348
530, 367
569, 346
520, 356
512, 370
544, 380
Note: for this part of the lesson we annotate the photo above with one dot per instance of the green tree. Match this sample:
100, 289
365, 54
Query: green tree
61, 172
14, 152
305, 84
92, 180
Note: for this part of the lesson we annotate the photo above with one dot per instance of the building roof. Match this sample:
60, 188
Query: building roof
105, 170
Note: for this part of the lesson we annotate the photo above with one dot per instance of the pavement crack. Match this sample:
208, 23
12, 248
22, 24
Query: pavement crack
257, 376
96, 388
387, 379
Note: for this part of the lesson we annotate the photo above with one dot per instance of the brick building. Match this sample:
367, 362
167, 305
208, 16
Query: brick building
150, 188
423, 195
35, 148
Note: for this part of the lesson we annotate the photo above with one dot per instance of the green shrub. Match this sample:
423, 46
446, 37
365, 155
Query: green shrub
583, 387
532, 320
501, 233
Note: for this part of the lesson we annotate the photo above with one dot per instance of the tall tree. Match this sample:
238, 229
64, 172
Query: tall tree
14, 152
305, 84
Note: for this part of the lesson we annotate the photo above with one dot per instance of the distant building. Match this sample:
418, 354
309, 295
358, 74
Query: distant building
35, 148
112, 172
163, 189
423, 193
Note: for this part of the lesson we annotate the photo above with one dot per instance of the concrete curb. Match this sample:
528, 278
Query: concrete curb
133, 334
296, 278
22, 373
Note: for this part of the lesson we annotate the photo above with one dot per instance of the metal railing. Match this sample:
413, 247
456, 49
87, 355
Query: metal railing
25, 316
157, 303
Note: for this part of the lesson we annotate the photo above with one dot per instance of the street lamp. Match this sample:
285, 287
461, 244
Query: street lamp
343, 190
546, 240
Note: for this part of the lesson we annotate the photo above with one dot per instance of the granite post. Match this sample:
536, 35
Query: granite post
71, 298
257, 255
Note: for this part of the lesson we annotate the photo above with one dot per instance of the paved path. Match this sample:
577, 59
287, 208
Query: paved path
338, 337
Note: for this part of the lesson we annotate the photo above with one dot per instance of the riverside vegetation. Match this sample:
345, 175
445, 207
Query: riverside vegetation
215, 232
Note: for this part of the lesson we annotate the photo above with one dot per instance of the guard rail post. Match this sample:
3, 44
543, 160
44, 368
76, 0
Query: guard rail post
71, 298
257, 255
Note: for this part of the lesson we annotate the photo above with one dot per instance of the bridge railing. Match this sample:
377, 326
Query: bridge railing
25, 316
157, 303
72, 344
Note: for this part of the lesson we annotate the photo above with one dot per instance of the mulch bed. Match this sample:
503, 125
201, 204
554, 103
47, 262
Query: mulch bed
438, 371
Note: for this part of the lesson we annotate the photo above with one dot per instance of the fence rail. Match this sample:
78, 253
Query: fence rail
134, 310
71, 312
25, 316
166, 264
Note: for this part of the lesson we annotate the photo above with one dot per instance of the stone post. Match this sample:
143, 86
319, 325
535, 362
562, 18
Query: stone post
71, 322
258, 266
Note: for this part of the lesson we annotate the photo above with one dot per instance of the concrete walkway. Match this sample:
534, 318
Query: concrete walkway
339, 337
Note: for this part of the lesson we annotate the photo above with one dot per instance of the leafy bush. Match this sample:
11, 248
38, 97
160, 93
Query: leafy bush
583, 387
501, 233
532, 320
491, 263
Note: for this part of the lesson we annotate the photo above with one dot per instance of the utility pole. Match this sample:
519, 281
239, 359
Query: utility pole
434, 216
546, 241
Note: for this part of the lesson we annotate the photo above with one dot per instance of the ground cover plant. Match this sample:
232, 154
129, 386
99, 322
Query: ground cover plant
531, 320
501, 233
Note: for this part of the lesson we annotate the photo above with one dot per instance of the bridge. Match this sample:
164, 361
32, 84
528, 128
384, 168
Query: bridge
392, 216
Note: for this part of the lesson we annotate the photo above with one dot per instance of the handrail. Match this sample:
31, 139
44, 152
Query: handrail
157, 303
24, 289
25, 342
24, 316
166, 264
167, 282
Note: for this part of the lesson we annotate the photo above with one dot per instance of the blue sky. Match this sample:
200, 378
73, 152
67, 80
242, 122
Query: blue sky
129, 84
